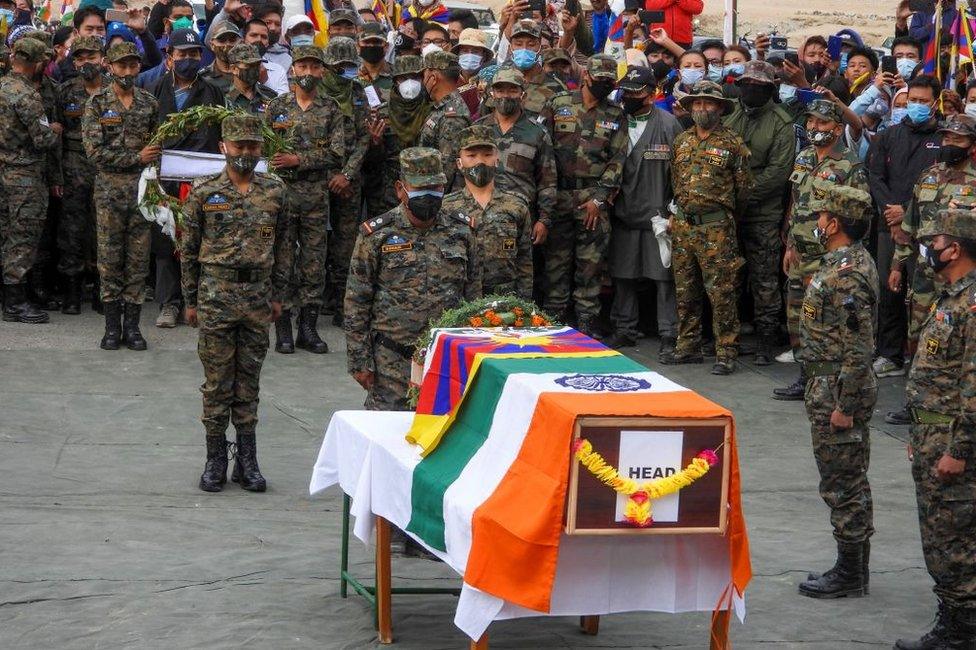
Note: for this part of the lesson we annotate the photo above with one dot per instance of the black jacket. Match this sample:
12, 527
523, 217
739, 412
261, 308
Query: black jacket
202, 93
898, 155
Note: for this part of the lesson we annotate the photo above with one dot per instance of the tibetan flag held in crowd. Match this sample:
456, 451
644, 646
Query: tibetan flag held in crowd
317, 13
437, 13
455, 356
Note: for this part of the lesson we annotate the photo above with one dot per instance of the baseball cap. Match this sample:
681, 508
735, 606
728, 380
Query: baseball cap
421, 167
298, 19
637, 78
184, 39
241, 128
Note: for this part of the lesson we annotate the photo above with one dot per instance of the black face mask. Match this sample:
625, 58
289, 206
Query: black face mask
403, 43
756, 95
600, 88
932, 259
633, 104
262, 48
372, 54
273, 38
813, 70
425, 207
90, 71
125, 81
243, 164
951, 154
507, 106
481, 174
660, 69
307, 82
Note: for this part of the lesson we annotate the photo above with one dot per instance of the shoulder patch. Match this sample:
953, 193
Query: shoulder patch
374, 224
461, 217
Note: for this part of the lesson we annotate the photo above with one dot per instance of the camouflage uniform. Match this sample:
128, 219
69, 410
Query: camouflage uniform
25, 142
709, 176
312, 135
257, 104
113, 136
837, 329
237, 256
402, 277
449, 116
941, 393
841, 166
590, 148
382, 83
76, 230
540, 86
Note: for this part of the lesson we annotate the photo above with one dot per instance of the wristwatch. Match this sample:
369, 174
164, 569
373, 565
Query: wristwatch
598, 203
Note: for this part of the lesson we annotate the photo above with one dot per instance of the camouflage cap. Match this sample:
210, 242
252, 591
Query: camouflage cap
477, 135
341, 49
241, 128
953, 222
407, 64
87, 44
759, 71
343, 15
372, 32
509, 75
45, 37
30, 50
960, 124
551, 54
243, 53
602, 66
307, 52
826, 109
421, 167
705, 90
123, 50
440, 60
527, 27
839, 200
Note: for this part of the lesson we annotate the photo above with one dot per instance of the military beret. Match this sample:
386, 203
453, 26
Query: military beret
407, 64
341, 49
960, 124
307, 52
759, 71
241, 128
952, 222
825, 109
440, 60
343, 15
508, 75
87, 44
421, 167
476, 135
602, 66
243, 53
527, 27
637, 78
839, 200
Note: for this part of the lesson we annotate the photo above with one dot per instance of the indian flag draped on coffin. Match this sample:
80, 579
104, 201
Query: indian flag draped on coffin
491, 495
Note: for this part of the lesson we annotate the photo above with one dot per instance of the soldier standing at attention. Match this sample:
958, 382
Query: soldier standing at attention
408, 266
941, 393
710, 171
308, 119
500, 219
26, 136
590, 142
76, 230
837, 328
118, 123
246, 92
827, 158
448, 113
237, 258
540, 86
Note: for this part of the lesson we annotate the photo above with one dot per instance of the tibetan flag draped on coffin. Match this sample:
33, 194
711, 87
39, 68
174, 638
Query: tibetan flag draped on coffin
455, 355
491, 496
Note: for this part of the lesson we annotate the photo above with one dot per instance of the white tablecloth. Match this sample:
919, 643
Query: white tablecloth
365, 453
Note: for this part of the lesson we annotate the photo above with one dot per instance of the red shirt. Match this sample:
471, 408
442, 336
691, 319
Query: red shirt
677, 17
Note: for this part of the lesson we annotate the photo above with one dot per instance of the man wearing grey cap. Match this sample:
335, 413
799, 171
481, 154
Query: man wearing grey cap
221, 72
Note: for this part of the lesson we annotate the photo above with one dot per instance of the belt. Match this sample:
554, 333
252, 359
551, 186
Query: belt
576, 183
405, 351
701, 219
930, 417
238, 275
821, 368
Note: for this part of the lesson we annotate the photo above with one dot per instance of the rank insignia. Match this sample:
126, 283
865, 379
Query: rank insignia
396, 244
267, 232
110, 117
509, 244
931, 345
216, 203
809, 311
564, 112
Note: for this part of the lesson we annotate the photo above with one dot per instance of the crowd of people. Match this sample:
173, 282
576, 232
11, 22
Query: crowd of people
627, 180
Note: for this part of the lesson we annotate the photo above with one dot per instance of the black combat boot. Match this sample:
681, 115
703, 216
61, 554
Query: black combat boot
283, 340
934, 639
130, 328
764, 355
794, 392
215, 471
962, 629
17, 309
246, 470
39, 292
72, 301
865, 568
113, 325
619, 340
308, 335
587, 325
846, 578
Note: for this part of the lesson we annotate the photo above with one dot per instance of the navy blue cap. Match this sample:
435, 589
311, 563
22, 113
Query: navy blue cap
183, 39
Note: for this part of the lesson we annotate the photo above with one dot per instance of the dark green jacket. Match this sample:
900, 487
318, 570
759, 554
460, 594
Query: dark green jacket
768, 132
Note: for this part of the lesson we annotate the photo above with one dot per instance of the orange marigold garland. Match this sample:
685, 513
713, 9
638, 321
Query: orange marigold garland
638, 508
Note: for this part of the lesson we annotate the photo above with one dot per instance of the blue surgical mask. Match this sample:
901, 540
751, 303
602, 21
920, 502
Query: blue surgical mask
971, 109
691, 76
524, 59
787, 93
919, 113
469, 61
843, 61
349, 73
734, 69
714, 73
905, 67
301, 39
897, 115
412, 194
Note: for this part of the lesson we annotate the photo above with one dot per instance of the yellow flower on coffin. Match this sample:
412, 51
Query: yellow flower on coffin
522, 341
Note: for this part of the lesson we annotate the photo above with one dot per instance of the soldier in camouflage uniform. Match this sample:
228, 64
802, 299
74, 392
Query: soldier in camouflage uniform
308, 119
710, 172
837, 329
76, 230
941, 393
408, 267
247, 93
827, 158
237, 257
375, 71
590, 143
118, 122
448, 115
345, 179
500, 219
540, 86
26, 137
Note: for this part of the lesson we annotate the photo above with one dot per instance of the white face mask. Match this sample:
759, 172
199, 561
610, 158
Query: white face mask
923, 250
409, 88
971, 109
786, 92
426, 3
905, 67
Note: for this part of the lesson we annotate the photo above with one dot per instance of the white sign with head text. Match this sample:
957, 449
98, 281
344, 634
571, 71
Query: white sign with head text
649, 455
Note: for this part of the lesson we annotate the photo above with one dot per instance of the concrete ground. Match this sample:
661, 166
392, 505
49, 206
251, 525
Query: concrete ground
106, 542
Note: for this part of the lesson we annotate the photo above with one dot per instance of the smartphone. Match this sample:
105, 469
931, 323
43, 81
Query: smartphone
805, 95
921, 6
537, 5
792, 57
834, 44
777, 42
633, 5
115, 16
889, 64
650, 17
